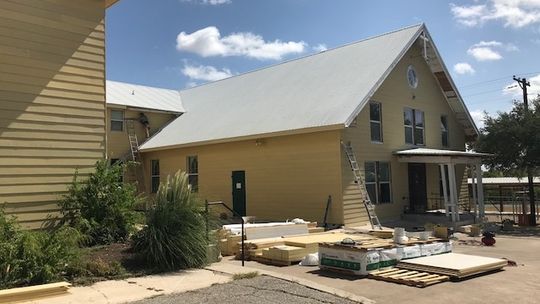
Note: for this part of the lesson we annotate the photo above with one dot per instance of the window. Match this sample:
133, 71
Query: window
444, 130
193, 173
413, 121
378, 182
117, 120
375, 121
154, 175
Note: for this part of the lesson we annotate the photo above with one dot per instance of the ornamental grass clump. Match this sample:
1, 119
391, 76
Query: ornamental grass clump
175, 233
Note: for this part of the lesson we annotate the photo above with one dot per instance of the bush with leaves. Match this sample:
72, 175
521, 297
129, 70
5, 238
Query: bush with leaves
175, 235
35, 257
101, 208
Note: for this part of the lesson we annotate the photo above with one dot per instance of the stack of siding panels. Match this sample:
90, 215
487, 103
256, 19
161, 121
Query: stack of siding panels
454, 264
33, 292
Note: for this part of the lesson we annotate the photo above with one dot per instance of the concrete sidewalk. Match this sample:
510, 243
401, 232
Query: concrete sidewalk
133, 289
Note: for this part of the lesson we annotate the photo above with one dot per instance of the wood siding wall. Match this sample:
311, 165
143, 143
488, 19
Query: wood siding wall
394, 95
118, 142
286, 177
52, 100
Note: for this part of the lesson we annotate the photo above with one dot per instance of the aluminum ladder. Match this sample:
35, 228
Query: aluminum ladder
133, 141
359, 181
137, 169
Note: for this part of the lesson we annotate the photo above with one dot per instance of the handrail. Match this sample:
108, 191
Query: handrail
243, 218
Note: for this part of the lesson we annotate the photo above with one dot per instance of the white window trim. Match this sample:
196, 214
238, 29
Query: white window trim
376, 121
152, 175
378, 182
118, 120
414, 127
190, 174
447, 132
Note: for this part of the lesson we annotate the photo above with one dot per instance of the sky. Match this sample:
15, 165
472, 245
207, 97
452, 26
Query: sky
178, 44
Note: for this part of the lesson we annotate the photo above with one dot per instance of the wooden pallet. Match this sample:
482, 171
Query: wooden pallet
408, 277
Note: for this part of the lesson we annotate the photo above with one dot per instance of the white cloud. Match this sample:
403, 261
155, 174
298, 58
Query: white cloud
513, 13
208, 42
478, 117
321, 47
205, 73
533, 91
490, 50
484, 53
209, 2
463, 68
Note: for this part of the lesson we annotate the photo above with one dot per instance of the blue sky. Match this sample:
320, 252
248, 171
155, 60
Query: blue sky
180, 43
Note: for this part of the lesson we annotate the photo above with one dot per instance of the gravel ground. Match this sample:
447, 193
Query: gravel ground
258, 290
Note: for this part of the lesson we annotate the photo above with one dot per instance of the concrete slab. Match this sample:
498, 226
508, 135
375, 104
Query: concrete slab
133, 289
519, 284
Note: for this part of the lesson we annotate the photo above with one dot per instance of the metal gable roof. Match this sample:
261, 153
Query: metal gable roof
323, 90
143, 97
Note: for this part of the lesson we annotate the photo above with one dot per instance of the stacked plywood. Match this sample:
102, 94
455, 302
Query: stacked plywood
454, 264
33, 292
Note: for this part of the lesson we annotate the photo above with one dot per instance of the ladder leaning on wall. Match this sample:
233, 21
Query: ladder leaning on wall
138, 169
359, 181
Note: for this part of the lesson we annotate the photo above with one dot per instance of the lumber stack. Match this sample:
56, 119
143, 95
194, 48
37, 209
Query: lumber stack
454, 265
33, 292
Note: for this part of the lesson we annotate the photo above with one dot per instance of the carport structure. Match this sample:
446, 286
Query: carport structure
447, 161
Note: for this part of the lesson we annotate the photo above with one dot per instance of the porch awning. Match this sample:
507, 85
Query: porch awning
439, 156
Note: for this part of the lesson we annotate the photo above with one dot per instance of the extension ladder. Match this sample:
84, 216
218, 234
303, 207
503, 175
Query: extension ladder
359, 181
133, 141
137, 172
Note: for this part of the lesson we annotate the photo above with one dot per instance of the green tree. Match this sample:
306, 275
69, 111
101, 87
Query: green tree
101, 207
514, 140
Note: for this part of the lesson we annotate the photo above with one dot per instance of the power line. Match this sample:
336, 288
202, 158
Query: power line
496, 79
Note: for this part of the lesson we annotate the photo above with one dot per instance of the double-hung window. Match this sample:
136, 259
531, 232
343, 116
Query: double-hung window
375, 121
414, 124
444, 130
193, 173
117, 120
154, 175
378, 182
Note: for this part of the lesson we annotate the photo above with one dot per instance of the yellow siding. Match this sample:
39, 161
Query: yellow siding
286, 177
117, 141
52, 100
394, 95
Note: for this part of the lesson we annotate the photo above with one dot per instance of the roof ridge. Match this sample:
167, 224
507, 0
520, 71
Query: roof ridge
142, 85
306, 56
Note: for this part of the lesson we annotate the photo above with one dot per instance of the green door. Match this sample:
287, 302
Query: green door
239, 192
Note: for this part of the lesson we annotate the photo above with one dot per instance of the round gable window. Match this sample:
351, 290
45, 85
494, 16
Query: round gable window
412, 78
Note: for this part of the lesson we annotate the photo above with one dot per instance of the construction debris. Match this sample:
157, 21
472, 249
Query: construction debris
33, 292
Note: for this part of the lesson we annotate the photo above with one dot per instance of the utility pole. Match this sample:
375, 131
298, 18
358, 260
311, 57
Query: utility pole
523, 84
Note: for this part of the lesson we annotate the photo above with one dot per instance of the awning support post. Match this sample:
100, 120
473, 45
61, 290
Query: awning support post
445, 190
480, 192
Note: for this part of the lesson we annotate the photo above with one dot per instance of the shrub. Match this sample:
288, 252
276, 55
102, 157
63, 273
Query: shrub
101, 208
35, 257
175, 235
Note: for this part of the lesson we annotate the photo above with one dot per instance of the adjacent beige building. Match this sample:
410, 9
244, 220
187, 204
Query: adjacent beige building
270, 142
52, 100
